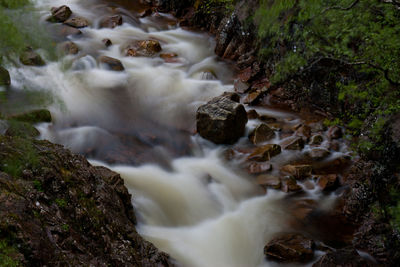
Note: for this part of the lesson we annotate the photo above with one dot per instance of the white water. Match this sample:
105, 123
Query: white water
201, 210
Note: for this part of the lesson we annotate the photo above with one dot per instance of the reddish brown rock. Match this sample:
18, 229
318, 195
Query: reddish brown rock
304, 130
290, 248
319, 153
261, 134
245, 75
298, 171
269, 181
111, 21
144, 48
293, 143
265, 152
328, 182
256, 168
240, 87
111, 63
170, 57
254, 96
289, 184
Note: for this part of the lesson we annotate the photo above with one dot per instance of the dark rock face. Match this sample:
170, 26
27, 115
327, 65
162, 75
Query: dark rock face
112, 63
290, 248
4, 77
60, 14
31, 58
34, 116
221, 120
58, 210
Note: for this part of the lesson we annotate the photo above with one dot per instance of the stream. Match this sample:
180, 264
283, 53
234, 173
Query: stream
191, 202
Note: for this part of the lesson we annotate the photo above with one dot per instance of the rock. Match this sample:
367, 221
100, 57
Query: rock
254, 96
77, 22
298, 171
334, 145
267, 118
240, 87
269, 181
111, 63
4, 77
290, 248
22, 129
261, 134
302, 208
170, 57
70, 48
231, 96
31, 58
208, 75
289, 184
144, 48
319, 153
335, 132
265, 152
34, 116
293, 143
328, 182
252, 114
245, 75
256, 168
67, 30
346, 257
111, 21
316, 139
304, 130
107, 42
221, 120
147, 12
60, 14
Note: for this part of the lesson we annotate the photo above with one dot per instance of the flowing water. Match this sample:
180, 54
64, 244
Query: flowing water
190, 201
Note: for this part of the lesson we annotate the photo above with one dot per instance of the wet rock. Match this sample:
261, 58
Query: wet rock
293, 143
265, 152
147, 12
346, 257
231, 96
334, 145
4, 77
221, 120
261, 134
290, 248
241, 87
21, 129
289, 184
316, 139
31, 58
319, 153
267, 118
60, 14
77, 22
298, 171
67, 30
302, 208
252, 114
256, 168
335, 132
111, 21
144, 48
111, 63
304, 130
269, 181
34, 116
245, 75
328, 182
168, 56
255, 96
70, 48
107, 42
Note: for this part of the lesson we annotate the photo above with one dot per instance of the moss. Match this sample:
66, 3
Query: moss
8, 255
62, 203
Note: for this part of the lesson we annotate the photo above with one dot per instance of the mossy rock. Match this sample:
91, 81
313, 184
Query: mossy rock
34, 116
21, 129
4, 77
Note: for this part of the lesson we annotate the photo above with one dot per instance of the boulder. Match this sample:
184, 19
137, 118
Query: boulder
143, 48
261, 134
293, 143
70, 48
31, 58
290, 248
111, 63
265, 152
269, 181
60, 14
34, 116
4, 77
221, 120
298, 171
111, 21
289, 184
77, 22
316, 139
319, 153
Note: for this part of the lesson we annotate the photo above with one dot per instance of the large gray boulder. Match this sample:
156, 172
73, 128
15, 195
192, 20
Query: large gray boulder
221, 120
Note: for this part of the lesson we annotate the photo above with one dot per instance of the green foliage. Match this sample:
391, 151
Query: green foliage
38, 185
62, 203
6, 255
212, 6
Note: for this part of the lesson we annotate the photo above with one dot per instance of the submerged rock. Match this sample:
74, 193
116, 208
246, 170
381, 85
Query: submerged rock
143, 48
221, 120
34, 116
60, 14
290, 248
112, 63
261, 133
4, 77
31, 58
111, 21
70, 48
